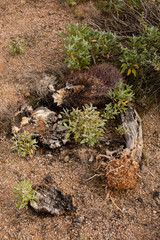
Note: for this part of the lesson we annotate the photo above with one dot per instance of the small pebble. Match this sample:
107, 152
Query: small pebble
66, 159
79, 219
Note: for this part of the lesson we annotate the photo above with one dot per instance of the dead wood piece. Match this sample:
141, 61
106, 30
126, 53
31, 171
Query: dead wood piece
131, 121
44, 124
122, 169
52, 201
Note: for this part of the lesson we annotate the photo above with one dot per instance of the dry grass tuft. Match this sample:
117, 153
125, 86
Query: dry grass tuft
86, 10
125, 19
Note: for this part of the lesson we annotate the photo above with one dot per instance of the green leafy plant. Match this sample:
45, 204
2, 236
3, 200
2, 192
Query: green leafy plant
153, 45
131, 55
110, 111
139, 35
24, 194
16, 46
24, 144
122, 130
141, 51
121, 99
84, 45
86, 125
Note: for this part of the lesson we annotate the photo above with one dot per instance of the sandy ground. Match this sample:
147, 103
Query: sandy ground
127, 215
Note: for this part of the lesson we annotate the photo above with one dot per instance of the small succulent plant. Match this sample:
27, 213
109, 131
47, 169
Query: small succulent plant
24, 144
16, 46
24, 194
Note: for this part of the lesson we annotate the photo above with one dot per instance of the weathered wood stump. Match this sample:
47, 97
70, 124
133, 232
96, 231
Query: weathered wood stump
122, 168
131, 121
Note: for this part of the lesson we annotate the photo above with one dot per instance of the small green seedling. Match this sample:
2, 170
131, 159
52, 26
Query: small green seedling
24, 144
16, 46
24, 194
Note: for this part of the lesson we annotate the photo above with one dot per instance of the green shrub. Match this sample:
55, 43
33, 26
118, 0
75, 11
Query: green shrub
24, 144
110, 111
24, 194
84, 45
133, 54
141, 51
86, 125
140, 42
16, 46
122, 130
121, 99
136, 23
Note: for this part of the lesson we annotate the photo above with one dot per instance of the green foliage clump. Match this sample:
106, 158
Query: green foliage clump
24, 144
136, 22
121, 99
84, 45
85, 125
122, 130
16, 46
141, 51
24, 194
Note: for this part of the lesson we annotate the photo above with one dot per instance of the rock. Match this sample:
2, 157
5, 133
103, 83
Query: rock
79, 219
52, 201
66, 159
43, 123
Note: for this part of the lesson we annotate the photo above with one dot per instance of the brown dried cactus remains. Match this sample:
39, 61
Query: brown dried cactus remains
121, 172
93, 85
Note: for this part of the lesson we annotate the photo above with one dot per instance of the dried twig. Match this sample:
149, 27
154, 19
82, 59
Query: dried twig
95, 175
116, 204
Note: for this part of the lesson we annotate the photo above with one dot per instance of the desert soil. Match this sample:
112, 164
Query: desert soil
126, 215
